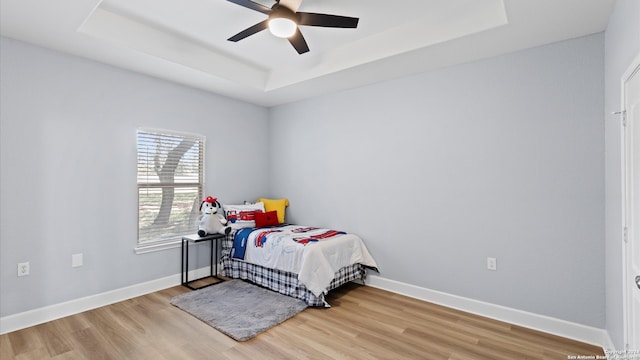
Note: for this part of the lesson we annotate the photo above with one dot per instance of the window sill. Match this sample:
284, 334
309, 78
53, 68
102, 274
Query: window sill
160, 246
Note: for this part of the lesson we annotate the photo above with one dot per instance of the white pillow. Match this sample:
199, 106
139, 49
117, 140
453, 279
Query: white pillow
241, 216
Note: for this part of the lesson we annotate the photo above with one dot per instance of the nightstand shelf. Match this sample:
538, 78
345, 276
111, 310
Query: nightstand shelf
196, 239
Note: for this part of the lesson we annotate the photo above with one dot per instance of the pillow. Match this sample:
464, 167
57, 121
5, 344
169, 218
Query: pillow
269, 218
242, 216
278, 205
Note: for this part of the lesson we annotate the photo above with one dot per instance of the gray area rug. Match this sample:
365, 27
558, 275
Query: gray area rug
239, 309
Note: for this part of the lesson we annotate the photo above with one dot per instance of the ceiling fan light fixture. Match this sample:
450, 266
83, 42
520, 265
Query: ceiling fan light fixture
283, 21
282, 27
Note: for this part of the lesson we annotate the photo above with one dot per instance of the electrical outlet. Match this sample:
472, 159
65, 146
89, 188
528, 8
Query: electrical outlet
492, 263
23, 269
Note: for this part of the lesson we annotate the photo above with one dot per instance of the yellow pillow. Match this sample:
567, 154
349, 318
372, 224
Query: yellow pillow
278, 205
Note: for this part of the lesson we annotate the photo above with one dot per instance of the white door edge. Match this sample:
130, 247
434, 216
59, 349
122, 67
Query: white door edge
628, 290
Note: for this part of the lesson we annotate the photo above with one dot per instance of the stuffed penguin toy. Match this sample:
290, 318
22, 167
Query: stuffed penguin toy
210, 222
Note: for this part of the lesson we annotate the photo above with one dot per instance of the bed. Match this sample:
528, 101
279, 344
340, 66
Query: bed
300, 261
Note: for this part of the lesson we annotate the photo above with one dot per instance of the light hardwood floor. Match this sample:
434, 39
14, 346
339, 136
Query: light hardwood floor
363, 323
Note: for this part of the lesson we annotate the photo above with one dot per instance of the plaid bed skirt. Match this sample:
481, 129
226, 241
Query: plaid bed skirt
284, 282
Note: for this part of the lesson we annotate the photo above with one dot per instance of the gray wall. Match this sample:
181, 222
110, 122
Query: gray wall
502, 157
68, 170
622, 40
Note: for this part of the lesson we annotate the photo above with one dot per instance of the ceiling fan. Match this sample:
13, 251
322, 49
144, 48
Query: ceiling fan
284, 21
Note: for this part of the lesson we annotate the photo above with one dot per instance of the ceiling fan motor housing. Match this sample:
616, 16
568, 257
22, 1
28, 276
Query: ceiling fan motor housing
280, 11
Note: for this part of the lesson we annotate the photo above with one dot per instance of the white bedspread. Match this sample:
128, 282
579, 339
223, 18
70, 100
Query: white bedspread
315, 263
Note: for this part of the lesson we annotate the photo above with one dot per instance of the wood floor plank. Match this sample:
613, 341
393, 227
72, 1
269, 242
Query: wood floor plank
23, 342
363, 323
6, 350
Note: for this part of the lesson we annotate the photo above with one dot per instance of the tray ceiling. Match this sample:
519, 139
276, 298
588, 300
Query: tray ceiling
185, 41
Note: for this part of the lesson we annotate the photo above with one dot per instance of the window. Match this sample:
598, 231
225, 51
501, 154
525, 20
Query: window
170, 183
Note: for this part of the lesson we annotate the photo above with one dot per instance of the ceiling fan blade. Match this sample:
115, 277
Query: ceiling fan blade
249, 31
326, 20
299, 43
252, 5
293, 5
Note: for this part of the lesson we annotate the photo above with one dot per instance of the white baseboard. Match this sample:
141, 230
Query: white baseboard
48, 313
567, 329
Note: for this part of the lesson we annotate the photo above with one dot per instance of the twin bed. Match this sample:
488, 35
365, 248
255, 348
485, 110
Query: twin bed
303, 262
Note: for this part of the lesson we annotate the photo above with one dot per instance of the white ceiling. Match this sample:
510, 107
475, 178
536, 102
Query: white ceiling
185, 41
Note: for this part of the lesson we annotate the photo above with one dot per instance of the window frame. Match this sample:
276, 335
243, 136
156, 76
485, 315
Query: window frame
174, 240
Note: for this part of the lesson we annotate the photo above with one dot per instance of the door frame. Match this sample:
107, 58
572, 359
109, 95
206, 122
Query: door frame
633, 69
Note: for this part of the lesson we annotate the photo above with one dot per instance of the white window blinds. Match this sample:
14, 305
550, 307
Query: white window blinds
170, 183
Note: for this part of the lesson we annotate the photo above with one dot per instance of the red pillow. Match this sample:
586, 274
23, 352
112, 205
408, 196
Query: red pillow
269, 218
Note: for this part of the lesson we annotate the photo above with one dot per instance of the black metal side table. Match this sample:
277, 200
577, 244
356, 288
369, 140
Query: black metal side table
195, 238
